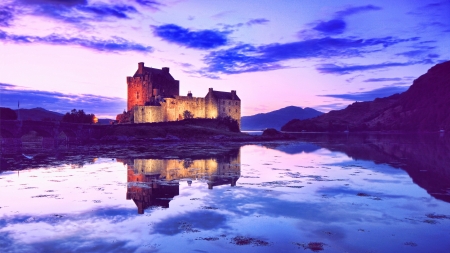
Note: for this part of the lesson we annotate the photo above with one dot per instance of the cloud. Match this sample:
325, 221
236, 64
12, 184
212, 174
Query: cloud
221, 14
60, 102
248, 58
358, 9
54, 2
77, 11
337, 25
6, 16
115, 44
102, 10
369, 95
200, 39
154, 5
334, 26
346, 69
382, 79
418, 54
257, 21
330, 107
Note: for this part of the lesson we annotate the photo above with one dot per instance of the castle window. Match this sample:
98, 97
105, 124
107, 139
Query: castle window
137, 95
236, 110
229, 103
236, 103
229, 110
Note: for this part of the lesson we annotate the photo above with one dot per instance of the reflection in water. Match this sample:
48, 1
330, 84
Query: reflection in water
336, 193
426, 158
154, 182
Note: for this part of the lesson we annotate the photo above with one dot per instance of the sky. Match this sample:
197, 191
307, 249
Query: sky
76, 54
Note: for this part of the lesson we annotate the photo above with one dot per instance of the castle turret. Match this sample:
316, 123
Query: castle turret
140, 68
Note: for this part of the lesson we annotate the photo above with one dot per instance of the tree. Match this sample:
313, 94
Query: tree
7, 114
232, 124
78, 116
188, 115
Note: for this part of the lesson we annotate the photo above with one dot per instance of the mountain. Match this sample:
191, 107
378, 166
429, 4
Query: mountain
38, 114
278, 118
425, 106
46, 115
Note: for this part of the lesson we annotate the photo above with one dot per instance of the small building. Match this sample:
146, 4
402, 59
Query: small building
153, 96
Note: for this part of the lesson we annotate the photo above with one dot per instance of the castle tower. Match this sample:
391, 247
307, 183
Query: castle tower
148, 83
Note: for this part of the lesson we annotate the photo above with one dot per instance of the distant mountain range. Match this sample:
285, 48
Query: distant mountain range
425, 106
276, 119
46, 115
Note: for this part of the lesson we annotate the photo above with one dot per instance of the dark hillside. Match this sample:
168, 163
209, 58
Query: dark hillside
425, 106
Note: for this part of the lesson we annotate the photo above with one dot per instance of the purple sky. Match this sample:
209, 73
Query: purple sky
69, 54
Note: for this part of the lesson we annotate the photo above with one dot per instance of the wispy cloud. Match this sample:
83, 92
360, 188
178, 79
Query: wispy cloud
199, 39
334, 26
249, 58
330, 107
60, 102
369, 95
337, 24
418, 54
103, 10
257, 21
152, 4
383, 79
6, 16
346, 69
76, 11
115, 44
53, 2
356, 9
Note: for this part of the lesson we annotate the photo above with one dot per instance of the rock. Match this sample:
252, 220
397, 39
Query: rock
271, 132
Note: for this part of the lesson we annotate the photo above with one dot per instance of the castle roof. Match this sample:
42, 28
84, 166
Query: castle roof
153, 72
225, 95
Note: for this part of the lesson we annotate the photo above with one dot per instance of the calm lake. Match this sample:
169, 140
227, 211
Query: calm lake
322, 193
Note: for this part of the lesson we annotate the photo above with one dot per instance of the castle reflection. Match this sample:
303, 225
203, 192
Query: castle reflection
155, 182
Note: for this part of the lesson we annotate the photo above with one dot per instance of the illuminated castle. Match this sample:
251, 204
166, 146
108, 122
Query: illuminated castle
153, 96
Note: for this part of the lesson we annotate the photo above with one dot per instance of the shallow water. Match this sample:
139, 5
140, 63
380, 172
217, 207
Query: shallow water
361, 194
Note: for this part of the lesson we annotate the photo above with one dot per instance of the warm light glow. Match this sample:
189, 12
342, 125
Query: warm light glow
95, 120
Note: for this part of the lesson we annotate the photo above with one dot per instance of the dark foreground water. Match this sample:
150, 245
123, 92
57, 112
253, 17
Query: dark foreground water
321, 194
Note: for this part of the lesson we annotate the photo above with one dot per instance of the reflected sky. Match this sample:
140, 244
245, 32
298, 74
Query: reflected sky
278, 197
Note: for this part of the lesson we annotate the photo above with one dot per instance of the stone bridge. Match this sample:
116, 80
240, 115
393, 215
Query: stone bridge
53, 133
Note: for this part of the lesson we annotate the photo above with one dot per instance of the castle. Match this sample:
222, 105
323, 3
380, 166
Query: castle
153, 96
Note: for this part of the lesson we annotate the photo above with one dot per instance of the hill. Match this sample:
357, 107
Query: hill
276, 119
42, 114
425, 106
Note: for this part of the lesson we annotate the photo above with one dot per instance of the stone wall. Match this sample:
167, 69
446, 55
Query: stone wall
175, 107
232, 108
143, 114
211, 106
139, 91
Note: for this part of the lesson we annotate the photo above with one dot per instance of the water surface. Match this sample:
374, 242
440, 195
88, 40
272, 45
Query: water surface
321, 193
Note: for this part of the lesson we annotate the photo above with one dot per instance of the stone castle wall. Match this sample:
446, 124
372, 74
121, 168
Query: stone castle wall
174, 108
144, 114
139, 90
228, 107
